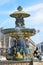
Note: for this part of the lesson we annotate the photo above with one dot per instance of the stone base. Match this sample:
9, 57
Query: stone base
14, 62
21, 63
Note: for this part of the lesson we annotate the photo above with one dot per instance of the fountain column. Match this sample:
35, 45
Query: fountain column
9, 42
4, 42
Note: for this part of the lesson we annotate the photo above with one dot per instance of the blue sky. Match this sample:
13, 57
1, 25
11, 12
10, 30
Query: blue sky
33, 7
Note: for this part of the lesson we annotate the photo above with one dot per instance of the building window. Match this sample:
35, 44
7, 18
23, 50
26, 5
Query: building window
42, 48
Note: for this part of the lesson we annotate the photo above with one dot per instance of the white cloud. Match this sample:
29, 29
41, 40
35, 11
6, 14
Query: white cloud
36, 13
34, 7
2, 2
37, 18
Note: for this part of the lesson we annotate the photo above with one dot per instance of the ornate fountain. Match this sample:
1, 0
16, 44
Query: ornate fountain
20, 48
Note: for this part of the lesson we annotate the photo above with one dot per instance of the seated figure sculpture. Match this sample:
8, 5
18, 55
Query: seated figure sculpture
19, 20
22, 49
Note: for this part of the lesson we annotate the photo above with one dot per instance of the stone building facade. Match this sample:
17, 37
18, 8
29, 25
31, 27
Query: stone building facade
40, 47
